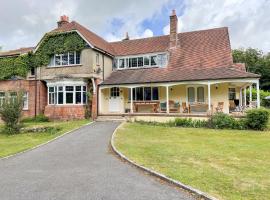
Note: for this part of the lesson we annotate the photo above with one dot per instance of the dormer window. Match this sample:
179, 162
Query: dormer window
153, 60
65, 59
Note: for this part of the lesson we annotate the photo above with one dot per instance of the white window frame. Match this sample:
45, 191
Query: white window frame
56, 91
127, 58
135, 96
196, 93
61, 61
25, 101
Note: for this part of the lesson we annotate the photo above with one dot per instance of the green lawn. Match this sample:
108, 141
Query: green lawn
227, 164
10, 144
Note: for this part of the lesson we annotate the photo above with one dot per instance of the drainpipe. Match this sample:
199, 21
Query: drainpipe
35, 92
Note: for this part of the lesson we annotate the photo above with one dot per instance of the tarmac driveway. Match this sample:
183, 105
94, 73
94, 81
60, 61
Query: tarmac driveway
79, 166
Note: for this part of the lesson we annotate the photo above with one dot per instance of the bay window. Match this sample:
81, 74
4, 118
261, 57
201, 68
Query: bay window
67, 94
65, 59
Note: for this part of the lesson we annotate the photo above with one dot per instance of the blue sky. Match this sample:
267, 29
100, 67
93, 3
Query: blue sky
24, 22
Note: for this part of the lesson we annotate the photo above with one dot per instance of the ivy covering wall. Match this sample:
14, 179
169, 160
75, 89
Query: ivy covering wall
52, 43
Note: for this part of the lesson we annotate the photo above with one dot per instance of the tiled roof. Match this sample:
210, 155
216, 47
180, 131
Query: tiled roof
156, 75
141, 46
201, 55
16, 52
91, 37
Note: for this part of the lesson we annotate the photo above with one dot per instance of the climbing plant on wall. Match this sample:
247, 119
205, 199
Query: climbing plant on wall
52, 43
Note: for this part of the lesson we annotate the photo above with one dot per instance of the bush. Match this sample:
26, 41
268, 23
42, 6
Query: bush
38, 118
11, 112
184, 122
222, 121
257, 119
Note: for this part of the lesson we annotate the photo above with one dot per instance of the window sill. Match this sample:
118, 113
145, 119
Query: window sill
130, 68
61, 66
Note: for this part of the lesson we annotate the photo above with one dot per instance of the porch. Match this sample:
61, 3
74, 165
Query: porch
192, 99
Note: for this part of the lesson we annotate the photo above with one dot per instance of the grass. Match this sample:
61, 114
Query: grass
227, 164
10, 144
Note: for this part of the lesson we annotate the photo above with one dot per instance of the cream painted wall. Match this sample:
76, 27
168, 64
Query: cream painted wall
177, 93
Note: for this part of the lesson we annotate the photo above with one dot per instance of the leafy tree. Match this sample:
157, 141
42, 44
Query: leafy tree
11, 112
257, 62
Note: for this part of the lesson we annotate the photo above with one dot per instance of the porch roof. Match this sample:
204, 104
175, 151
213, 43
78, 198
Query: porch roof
156, 75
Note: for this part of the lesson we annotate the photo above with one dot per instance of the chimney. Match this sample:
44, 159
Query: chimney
63, 20
173, 29
127, 37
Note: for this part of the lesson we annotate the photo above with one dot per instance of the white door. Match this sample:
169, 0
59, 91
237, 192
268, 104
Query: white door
115, 100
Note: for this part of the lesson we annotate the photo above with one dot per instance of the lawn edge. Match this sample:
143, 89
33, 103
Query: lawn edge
183, 186
43, 144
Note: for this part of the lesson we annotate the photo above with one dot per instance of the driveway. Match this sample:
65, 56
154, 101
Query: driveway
79, 166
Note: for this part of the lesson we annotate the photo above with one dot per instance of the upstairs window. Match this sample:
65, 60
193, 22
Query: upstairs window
153, 60
65, 59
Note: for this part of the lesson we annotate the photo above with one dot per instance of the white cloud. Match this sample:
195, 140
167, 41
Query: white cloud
248, 21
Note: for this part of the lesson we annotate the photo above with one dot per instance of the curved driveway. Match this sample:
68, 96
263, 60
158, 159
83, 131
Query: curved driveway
79, 166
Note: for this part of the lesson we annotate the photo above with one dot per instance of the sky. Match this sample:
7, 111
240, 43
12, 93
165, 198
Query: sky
24, 22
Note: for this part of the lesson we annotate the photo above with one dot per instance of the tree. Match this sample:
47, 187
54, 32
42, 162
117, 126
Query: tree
257, 62
11, 112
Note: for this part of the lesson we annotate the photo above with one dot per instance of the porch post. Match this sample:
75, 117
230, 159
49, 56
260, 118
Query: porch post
131, 100
245, 96
209, 96
258, 94
241, 98
250, 94
167, 96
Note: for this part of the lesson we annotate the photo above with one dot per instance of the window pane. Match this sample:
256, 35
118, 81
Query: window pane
200, 94
78, 57
25, 100
60, 98
78, 88
191, 94
134, 62
121, 63
60, 88
51, 89
153, 60
84, 98
71, 58
162, 60
146, 61
69, 88
115, 63
78, 97
134, 93
69, 97
139, 94
155, 93
147, 93
57, 60
232, 94
65, 59
140, 61
84, 88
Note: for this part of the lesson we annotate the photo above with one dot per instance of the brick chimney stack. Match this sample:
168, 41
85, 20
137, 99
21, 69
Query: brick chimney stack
173, 30
63, 20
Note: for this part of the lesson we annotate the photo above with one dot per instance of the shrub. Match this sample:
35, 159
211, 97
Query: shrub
11, 112
257, 119
184, 122
38, 118
222, 121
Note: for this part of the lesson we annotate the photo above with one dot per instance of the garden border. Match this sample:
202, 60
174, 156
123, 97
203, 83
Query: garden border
188, 188
42, 144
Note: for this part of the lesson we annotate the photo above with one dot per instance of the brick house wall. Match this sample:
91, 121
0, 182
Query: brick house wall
37, 94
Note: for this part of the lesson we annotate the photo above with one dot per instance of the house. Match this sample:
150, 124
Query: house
180, 74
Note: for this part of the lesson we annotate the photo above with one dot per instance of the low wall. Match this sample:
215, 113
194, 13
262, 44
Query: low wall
66, 112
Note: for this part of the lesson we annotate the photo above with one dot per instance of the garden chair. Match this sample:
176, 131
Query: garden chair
184, 107
220, 107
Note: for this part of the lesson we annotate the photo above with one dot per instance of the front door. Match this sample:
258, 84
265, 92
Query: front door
115, 101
